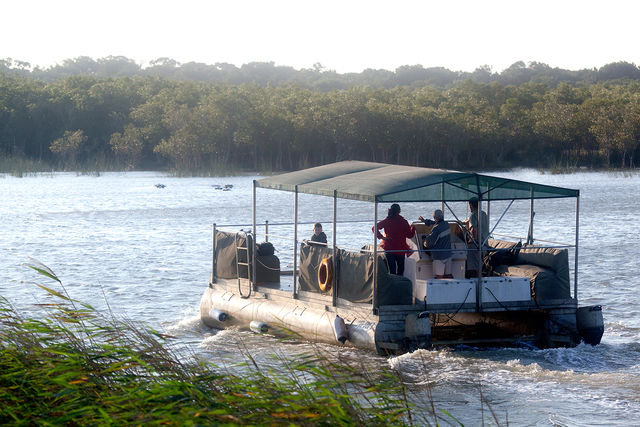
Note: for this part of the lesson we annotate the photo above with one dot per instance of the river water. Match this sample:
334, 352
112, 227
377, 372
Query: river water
118, 242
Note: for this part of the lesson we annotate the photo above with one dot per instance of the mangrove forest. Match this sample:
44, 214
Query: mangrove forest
111, 114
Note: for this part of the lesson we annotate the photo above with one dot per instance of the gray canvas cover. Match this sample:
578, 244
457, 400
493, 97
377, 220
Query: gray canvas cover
547, 268
355, 276
310, 258
379, 182
225, 255
267, 267
556, 260
501, 244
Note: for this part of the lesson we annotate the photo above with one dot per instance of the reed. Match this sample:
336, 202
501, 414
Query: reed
73, 365
20, 166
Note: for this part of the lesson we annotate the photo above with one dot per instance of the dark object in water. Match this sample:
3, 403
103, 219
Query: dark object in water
159, 185
590, 324
225, 187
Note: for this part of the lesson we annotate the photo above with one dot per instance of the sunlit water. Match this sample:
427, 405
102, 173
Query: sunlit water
120, 243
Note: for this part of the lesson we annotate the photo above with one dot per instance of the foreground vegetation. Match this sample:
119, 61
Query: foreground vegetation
85, 122
73, 366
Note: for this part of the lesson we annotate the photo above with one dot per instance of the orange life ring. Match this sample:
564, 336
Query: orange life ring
325, 275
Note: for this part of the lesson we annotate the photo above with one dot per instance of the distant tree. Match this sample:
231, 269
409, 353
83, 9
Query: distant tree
162, 67
82, 65
482, 74
117, 66
516, 74
617, 128
68, 146
406, 75
618, 70
128, 145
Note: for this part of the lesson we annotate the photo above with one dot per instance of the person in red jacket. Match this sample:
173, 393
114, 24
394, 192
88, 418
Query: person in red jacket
396, 232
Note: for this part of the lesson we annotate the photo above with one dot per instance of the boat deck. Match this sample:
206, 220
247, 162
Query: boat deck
284, 290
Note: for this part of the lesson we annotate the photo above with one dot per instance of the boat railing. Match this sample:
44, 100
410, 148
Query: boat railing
267, 223
267, 235
549, 244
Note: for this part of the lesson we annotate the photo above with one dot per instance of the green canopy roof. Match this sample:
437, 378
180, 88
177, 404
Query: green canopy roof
379, 182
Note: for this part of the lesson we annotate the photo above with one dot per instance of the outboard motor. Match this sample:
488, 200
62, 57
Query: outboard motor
590, 324
340, 329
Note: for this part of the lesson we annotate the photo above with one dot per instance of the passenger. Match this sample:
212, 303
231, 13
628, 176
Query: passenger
471, 223
318, 238
394, 242
474, 258
439, 242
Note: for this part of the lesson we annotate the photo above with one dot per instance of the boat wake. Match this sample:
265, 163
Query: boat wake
188, 324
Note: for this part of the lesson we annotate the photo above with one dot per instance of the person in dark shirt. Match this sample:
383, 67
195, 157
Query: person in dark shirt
318, 238
396, 232
439, 242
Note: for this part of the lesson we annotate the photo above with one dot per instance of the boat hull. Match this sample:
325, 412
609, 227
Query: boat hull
395, 329
283, 317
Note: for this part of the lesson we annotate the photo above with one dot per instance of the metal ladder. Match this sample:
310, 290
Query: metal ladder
240, 249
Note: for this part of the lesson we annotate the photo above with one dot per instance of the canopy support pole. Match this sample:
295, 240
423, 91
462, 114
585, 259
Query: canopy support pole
213, 257
531, 215
253, 258
335, 258
575, 260
375, 257
266, 230
498, 222
488, 207
452, 212
295, 243
480, 245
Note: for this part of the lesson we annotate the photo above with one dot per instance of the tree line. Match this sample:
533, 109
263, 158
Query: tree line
144, 122
317, 77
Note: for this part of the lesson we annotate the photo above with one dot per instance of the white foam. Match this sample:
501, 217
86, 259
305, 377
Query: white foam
214, 339
190, 322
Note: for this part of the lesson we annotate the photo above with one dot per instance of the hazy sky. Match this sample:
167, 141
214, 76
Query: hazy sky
346, 36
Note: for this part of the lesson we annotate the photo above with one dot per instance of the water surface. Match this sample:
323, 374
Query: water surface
120, 243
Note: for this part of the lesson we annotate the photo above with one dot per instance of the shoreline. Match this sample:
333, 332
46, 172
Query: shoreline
243, 173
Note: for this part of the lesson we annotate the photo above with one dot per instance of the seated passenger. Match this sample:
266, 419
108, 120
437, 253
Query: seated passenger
318, 238
439, 243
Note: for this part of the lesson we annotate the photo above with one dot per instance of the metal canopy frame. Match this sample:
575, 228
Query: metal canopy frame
359, 181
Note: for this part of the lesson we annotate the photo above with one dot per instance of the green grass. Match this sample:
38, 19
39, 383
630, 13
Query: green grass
74, 366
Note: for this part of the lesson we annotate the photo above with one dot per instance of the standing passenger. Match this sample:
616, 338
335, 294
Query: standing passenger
394, 242
477, 220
